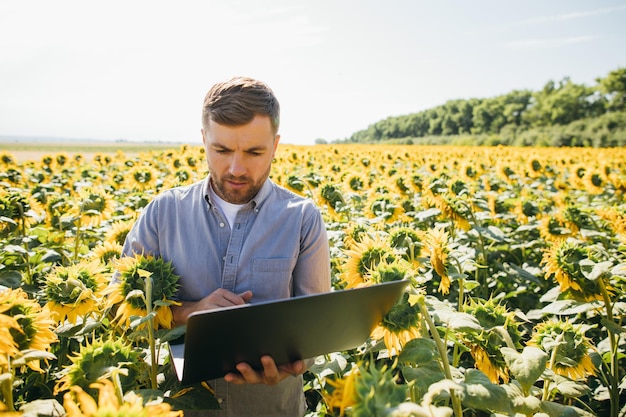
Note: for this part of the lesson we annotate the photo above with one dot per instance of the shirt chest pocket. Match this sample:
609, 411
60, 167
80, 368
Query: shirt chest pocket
272, 278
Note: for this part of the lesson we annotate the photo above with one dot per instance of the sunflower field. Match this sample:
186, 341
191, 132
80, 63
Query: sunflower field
515, 259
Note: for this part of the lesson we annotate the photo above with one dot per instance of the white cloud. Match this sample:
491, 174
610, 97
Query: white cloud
548, 43
573, 15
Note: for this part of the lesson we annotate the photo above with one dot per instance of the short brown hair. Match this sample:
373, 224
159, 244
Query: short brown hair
237, 101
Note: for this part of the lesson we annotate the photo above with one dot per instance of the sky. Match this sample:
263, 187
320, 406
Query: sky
139, 69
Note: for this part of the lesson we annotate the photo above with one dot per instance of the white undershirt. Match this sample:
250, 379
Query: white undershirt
230, 210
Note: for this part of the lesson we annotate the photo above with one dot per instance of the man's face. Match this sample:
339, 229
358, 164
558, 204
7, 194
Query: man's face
239, 157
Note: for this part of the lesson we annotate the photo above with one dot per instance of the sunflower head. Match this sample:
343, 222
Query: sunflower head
74, 291
341, 395
552, 229
118, 231
364, 258
407, 241
563, 262
377, 391
576, 218
594, 181
567, 344
60, 209
16, 208
128, 294
384, 207
101, 359
354, 233
95, 206
78, 403
142, 178
399, 326
499, 328
107, 252
331, 195
436, 245
34, 326
390, 271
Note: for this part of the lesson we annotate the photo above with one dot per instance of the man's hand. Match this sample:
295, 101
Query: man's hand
270, 375
217, 299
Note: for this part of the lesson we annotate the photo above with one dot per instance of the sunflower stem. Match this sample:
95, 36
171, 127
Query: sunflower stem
77, 242
29, 273
153, 359
7, 387
443, 353
551, 365
614, 376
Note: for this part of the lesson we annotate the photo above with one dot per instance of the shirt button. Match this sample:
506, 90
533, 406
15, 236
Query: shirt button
221, 224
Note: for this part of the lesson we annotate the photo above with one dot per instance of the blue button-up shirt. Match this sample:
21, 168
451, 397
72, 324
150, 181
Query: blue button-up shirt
277, 248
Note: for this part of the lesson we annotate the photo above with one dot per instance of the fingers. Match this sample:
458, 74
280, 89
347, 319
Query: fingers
270, 375
246, 296
224, 298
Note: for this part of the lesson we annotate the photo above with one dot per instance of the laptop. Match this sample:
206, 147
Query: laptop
288, 330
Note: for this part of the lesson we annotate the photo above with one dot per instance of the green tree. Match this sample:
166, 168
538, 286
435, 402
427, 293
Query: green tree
613, 86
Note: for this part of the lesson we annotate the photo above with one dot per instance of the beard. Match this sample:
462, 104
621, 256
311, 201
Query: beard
243, 192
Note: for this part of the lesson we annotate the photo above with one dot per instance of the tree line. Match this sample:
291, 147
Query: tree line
563, 113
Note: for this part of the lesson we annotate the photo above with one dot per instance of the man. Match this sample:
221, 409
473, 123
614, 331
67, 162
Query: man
237, 237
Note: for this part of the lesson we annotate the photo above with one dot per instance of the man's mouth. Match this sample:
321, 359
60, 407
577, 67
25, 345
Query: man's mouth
236, 183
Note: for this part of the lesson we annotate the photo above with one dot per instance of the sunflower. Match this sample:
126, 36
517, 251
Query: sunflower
343, 394
354, 233
16, 210
331, 195
35, 326
594, 182
60, 209
377, 391
95, 205
100, 359
534, 167
408, 241
451, 207
118, 231
563, 262
364, 257
399, 326
78, 403
575, 218
6, 158
384, 207
436, 246
526, 208
74, 291
107, 252
142, 178
552, 229
8, 346
130, 282
499, 328
568, 347
615, 218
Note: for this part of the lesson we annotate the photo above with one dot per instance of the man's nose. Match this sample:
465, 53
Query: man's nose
237, 167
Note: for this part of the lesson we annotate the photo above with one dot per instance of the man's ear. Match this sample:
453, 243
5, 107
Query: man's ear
276, 140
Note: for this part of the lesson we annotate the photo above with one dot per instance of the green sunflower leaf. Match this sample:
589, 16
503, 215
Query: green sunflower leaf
527, 366
479, 393
28, 355
418, 351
